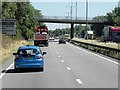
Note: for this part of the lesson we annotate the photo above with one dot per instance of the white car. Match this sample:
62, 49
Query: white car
51, 38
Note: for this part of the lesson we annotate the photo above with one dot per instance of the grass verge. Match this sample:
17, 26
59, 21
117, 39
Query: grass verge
106, 44
9, 48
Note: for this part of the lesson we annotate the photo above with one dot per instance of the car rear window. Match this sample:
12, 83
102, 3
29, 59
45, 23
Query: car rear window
28, 51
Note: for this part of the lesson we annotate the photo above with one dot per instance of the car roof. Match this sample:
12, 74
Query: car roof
29, 46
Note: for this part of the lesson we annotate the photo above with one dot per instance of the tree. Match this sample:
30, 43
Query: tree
110, 17
116, 15
98, 29
25, 14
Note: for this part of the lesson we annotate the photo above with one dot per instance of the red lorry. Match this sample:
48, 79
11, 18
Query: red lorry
41, 36
111, 33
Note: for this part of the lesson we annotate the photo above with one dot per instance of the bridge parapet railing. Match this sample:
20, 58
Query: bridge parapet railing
64, 17
70, 18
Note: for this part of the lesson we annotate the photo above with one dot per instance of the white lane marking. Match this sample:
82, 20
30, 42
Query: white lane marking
58, 56
62, 60
57, 53
68, 68
106, 59
79, 81
98, 56
6, 70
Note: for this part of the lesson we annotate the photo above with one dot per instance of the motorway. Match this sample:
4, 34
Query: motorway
66, 66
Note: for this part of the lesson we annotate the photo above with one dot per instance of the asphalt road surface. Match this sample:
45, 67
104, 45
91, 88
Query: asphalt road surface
66, 66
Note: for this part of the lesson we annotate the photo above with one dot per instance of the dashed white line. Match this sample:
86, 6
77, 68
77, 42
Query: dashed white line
62, 60
79, 81
58, 56
107, 59
68, 68
6, 70
57, 53
98, 55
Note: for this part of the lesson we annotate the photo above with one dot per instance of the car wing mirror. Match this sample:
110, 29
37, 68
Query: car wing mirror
44, 53
14, 53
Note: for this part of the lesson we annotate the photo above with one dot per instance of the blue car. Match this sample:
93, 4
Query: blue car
29, 57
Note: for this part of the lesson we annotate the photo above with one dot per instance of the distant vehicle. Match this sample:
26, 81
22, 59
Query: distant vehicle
41, 36
111, 33
67, 35
51, 38
29, 57
62, 40
89, 35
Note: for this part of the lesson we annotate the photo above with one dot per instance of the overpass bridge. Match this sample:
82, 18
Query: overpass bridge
72, 21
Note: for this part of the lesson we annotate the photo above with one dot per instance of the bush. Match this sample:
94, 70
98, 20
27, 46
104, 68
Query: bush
101, 38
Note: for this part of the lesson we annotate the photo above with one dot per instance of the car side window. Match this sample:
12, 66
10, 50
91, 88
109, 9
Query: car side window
35, 51
40, 50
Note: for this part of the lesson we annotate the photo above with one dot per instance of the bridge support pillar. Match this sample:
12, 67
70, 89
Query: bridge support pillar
72, 31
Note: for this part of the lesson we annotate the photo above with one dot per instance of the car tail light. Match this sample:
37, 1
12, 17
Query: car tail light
40, 57
16, 58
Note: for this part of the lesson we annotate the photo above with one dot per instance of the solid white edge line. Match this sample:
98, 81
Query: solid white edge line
79, 81
6, 70
68, 68
98, 56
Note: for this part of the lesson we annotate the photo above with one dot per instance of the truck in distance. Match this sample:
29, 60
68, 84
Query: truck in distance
111, 33
41, 36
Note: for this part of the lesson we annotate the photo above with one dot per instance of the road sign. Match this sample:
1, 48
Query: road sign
9, 26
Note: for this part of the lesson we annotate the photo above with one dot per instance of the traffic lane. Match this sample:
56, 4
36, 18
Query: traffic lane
56, 75
60, 69
119, 77
91, 69
7, 63
1, 69
0, 84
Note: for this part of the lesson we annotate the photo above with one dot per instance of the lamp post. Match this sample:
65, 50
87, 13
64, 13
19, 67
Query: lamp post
71, 9
67, 17
76, 10
86, 19
86, 14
